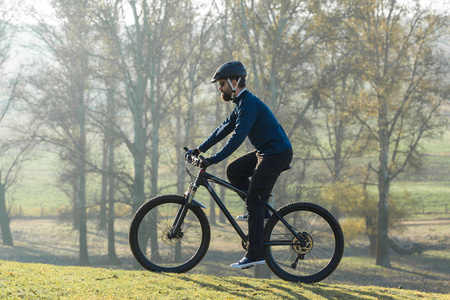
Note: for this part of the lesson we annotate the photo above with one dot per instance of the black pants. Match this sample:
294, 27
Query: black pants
264, 171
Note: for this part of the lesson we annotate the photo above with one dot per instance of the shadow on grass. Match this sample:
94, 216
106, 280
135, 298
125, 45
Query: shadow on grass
285, 290
329, 292
238, 288
32, 254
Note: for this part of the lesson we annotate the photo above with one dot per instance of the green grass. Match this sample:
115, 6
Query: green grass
37, 187
50, 242
438, 145
431, 197
39, 281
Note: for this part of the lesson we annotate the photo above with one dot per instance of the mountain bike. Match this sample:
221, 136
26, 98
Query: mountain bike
171, 233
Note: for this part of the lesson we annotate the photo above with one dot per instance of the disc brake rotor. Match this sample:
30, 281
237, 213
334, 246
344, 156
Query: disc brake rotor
304, 247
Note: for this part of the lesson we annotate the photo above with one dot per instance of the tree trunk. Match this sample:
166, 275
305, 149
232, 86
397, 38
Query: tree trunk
382, 249
181, 174
84, 258
103, 200
109, 167
4, 219
139, 169
139, 183
262, 271
212, 211
155, 158
372, 245
370, 229
75, 203
154, 180
112, 256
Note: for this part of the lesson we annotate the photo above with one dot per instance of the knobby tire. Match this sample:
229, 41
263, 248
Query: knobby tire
150, 242
318, 257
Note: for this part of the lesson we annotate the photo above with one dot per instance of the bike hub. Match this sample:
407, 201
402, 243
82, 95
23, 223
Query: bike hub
168, 239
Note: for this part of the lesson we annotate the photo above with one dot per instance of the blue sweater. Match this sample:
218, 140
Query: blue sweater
252, 118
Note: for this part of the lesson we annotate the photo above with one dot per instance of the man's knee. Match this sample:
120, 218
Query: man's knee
234, 170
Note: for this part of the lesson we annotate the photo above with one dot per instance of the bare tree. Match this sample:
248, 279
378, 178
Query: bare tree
14, 154
335, 134
396, 43
152, 55
146, 45
63, 96
14, 150
188, 110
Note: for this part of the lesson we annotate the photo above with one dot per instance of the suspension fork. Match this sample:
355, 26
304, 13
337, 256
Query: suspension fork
182, 211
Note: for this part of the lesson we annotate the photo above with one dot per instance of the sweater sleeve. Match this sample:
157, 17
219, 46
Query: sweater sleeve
245, 118
219, 133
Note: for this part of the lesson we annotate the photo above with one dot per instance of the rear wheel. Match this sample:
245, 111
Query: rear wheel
151, 241
311, 260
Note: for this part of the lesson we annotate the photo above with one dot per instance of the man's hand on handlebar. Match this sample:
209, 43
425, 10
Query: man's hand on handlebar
193, 156
206, 162
192, 152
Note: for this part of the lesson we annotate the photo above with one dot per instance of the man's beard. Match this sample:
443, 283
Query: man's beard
226, 97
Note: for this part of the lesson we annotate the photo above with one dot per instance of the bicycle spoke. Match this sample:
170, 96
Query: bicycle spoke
314, 256
152, 240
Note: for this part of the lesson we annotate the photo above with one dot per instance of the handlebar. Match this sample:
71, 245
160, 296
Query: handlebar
193, 160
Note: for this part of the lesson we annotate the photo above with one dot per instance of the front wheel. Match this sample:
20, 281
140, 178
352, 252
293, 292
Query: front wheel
152, 243
312, 259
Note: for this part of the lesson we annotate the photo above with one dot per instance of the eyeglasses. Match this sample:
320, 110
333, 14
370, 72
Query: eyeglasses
222, 83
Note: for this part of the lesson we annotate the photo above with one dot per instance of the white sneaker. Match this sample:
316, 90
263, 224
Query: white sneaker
246, 263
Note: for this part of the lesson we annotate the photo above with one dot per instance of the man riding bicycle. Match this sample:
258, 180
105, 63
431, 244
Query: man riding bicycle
273, 154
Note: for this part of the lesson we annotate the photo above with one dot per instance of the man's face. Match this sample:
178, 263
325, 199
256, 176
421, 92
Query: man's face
225, 90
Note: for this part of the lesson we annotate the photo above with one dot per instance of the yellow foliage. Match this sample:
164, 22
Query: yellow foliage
352, 228
358, 205
342, 195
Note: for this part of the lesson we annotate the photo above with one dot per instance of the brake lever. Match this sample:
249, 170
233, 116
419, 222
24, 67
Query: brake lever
197, 161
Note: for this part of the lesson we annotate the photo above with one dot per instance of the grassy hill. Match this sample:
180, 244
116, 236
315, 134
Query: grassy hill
39, 281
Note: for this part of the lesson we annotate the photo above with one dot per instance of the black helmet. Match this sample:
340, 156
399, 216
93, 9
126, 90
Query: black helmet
229, 70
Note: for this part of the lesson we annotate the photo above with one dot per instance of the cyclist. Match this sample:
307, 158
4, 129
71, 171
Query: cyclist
273, 154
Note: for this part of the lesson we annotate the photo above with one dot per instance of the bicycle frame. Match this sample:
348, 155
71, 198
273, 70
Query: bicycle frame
203, 179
